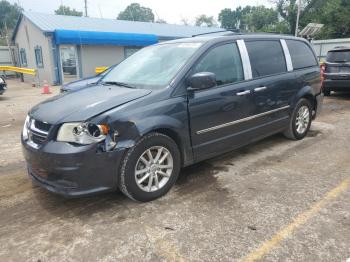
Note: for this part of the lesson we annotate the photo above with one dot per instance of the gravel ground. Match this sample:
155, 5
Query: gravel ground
275, 200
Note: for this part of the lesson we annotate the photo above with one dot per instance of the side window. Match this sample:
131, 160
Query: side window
38, 56
301, 54
225, 62
23, 56
266, 57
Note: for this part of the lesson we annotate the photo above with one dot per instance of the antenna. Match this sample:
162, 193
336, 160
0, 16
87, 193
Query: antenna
85, 4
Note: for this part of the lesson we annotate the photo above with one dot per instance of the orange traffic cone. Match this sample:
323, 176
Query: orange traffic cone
46, 88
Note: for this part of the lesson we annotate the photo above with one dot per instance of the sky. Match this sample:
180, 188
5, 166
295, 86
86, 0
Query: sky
171, 11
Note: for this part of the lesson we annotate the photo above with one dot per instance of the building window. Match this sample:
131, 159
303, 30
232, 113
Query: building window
23, 56
38, 56
128, 51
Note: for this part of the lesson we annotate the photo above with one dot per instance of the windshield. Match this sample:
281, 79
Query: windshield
152, 67
338, 56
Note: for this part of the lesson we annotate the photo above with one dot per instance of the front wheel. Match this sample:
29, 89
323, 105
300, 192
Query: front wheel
150, 168
300, 121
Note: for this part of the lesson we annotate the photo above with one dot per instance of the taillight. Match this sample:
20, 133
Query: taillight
322, 71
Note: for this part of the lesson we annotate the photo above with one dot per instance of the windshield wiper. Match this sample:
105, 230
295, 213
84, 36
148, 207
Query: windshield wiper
115, 83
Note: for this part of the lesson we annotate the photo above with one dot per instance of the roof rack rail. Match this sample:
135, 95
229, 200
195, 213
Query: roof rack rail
235, 31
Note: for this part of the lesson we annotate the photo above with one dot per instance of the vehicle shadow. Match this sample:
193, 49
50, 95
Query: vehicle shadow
340, 95
4, 98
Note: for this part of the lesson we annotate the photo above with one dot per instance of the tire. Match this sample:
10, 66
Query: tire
326, 92
293, 132
133, 164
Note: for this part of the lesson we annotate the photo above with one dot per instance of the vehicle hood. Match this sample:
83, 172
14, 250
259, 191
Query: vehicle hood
80, 83
84, 104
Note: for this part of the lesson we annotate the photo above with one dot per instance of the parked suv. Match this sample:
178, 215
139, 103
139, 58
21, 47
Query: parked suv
168, 106
337, 70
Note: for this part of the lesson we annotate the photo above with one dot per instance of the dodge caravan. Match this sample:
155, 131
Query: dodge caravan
168, 106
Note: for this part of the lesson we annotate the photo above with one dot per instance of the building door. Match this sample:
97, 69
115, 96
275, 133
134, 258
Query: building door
69, 63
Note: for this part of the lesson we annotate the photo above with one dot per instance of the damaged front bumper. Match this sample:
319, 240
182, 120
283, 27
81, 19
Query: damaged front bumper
72, 170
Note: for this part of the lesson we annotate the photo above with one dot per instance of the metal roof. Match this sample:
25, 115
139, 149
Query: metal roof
50, 22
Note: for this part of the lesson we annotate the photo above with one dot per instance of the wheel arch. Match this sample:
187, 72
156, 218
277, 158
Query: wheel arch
173, 128
308, 93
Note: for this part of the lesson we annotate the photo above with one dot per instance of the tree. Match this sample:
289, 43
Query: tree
185, 21
260, 18
334, 14
136, 12
227, 19
65, 10
288, 9
204, 20
234, 19
8, 16
161, 21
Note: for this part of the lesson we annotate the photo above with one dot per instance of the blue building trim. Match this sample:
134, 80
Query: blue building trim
103, 38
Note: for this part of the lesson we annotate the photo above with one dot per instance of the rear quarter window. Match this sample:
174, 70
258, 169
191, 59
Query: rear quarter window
301, 54
266, 57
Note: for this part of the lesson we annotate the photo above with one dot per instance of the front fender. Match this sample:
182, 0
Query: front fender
150, 124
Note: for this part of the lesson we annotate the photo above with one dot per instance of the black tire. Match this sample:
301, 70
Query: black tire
291, 132
327, 92
127, 180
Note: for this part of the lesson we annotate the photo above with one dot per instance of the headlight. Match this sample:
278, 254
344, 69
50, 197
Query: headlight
82, 133
25, 128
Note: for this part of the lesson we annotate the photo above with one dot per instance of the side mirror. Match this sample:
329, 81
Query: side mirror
202, 80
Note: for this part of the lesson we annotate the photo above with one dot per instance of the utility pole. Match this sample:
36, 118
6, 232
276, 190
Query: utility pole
298, 17
85, 3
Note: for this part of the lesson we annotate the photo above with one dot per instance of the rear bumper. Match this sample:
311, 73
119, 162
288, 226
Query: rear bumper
73, 171
337, 84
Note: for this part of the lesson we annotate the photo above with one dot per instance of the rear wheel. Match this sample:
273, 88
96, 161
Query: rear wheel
300, 121
150, 168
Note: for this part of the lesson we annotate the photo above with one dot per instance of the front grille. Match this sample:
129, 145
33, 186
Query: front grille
38, 132
38, 138
42, 125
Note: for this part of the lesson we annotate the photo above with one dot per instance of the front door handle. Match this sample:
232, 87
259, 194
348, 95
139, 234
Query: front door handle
243, 93
261, 88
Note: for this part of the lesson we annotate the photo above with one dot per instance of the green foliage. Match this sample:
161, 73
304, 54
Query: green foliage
203, 20
259, 18
234, 19
8, 16
136, 12
66, 10
256, 18
161, 21
334, 14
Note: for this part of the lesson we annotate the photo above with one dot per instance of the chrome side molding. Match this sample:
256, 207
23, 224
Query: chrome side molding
241, 120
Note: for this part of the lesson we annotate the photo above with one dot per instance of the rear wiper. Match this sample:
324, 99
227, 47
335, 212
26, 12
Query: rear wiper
118, 84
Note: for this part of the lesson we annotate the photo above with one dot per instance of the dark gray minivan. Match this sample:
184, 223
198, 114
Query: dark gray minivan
168, 106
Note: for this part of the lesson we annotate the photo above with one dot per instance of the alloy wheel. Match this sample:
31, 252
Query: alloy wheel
302, 119
154, 168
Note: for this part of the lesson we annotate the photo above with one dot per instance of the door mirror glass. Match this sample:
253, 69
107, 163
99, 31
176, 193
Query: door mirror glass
202, 80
